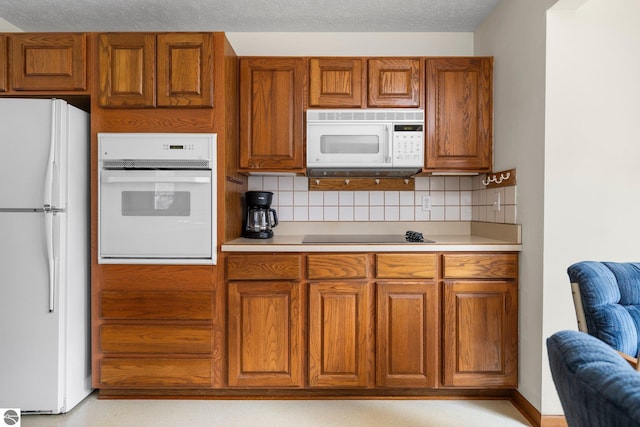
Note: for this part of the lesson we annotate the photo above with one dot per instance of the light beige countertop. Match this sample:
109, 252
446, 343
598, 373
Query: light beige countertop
447, 237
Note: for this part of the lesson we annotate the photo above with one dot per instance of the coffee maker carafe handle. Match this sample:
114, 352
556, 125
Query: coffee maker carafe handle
275, 217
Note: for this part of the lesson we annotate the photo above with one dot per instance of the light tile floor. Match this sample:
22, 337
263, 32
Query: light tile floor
284, 413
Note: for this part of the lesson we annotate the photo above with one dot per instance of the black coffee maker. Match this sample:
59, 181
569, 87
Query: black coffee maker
260, 217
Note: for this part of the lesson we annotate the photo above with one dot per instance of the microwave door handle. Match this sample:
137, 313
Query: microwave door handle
387, 144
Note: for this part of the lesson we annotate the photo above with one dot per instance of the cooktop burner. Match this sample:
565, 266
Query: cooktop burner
358, 238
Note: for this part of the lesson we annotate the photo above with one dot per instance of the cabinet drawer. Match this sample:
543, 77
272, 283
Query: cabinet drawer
155, 373
480, 266
156, 305
337, 266
263, 267
409, 266
155, 339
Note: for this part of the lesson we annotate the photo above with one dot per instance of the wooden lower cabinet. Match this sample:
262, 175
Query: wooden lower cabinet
386, 320
313, 323
340, 334
480, 334
407, 335
265, 334
153, 327
480, 320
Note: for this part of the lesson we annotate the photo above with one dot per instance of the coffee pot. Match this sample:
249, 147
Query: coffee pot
261, 218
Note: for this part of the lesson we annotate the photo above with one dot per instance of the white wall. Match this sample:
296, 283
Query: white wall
514, 34
8, 27
592, 208
351, 44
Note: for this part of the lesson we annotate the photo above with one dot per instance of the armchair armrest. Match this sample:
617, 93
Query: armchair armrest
633, 361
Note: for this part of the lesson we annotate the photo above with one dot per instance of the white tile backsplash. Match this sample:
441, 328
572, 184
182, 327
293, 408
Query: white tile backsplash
453, 198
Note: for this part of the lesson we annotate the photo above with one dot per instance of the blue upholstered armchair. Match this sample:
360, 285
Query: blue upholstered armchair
606, 296
596, 386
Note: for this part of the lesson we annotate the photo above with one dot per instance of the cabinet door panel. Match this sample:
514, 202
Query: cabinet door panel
185, 70
265, 334
459, 114
335, 82
394, 82
407, 335
4, 64
271, 114
340, 345
480, 334
127, 70
49, 61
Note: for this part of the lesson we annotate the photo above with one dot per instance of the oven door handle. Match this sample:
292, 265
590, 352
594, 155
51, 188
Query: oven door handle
156, 179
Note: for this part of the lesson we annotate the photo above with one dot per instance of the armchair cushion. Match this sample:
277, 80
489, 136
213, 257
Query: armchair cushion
610, 294
596, 386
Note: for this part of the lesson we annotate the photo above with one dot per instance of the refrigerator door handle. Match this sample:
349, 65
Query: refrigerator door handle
48, 177
51, 264
48, 212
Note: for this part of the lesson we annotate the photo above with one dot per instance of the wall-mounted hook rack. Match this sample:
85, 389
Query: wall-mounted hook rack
362, 184
500, 179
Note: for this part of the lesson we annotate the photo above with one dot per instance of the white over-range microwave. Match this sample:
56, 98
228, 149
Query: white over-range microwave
365, 142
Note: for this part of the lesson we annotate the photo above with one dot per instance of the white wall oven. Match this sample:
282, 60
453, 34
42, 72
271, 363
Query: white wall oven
157, 198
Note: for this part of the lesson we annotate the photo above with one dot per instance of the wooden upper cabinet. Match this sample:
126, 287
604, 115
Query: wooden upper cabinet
4, 64
185, 70
394, 82
336, 82
459, 114
127, 70
48, 61
271, 114
362, 82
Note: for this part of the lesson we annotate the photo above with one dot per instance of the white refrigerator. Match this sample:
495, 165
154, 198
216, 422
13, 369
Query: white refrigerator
45, 362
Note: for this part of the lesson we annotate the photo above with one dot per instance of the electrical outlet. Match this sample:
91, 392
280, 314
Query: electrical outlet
496, 201
426, 203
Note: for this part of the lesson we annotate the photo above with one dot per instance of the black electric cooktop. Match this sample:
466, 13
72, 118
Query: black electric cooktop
358, 238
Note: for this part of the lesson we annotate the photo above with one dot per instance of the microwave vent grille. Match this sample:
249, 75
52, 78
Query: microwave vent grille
365, 115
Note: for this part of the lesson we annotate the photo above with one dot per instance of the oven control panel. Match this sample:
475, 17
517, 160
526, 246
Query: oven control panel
156, 146
178, 147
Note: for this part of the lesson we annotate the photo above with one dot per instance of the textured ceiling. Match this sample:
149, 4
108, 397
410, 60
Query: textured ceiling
247, 15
